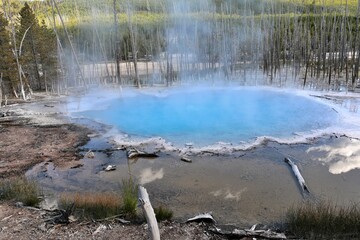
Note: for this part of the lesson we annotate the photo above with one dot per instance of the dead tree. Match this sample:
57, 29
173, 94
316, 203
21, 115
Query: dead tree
1, 76
134, 49
117, 45
70, 42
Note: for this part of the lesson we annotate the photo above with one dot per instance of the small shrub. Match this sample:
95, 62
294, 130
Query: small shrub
324, 220
92, 205
163, 213
20, 189
129, 197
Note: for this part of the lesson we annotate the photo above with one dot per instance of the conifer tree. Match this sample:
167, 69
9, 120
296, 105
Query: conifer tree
47, 50
37, 49
27, 36
7, 61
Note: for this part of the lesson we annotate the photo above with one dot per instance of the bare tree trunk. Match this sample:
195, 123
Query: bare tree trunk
1, 76
15, 50
134, 49
117, 45
357, 48
149, 214
70, 42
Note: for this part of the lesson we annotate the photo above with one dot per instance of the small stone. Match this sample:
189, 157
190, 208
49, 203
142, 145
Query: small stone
90, 154
110, 168
186, 159
19, 204
42, 227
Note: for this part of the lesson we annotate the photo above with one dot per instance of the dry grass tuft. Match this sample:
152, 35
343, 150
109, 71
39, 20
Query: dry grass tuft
324, 220
20, 189
92, 205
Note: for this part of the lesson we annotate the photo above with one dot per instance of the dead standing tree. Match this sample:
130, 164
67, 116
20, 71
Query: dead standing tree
117, 45
134, 48
70, 42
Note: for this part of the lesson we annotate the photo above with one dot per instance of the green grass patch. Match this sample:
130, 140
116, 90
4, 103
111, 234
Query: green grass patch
20, 189
324, 220
92, 205
163, 213
129, 198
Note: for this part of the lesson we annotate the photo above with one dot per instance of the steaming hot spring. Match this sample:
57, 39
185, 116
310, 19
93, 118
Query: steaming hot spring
208, 116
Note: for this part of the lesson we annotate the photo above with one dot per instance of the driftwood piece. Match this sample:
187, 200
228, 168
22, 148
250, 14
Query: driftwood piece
149, 213
248, 233
133, 153
298, 175
204, 217
186, 159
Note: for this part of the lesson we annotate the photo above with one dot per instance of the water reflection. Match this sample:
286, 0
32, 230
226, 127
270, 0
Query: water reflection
341, 159
147, 175
228, 195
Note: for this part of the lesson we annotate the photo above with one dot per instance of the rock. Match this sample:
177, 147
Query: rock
19, 204
110, 168
186, 159
100, 229
77, 166
49, 204
90, 154
42, 227
72, 218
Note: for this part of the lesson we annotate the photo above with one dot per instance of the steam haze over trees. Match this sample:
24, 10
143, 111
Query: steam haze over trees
53, 45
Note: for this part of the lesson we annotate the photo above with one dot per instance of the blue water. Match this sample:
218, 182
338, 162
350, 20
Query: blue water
205, 117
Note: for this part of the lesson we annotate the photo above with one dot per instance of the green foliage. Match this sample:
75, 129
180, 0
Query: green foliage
37, 48
163, 213
92, 205
7, 60
324, 220
21, 190
129, 197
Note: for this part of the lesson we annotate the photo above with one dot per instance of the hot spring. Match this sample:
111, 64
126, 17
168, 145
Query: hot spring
208, 116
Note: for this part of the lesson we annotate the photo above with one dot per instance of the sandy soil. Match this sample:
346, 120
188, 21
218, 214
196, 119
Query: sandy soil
28, 138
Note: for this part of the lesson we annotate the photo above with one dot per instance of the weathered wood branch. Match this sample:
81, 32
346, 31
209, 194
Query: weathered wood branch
204, 217
149, 213
298, 175
248, 233
133, 153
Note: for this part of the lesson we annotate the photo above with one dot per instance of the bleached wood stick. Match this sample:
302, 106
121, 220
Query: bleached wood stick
149, 213
298, 175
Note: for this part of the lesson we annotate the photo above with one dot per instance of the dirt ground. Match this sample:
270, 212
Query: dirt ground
24, 144
26, 223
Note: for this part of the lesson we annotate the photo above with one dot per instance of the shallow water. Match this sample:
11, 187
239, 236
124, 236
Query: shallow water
207, 116
246, 187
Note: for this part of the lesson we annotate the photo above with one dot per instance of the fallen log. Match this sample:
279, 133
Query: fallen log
248, 233
186, 159
298, 175
204, 217
149, 213
133, 153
